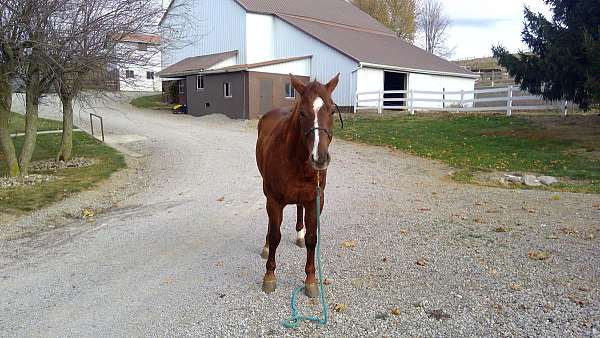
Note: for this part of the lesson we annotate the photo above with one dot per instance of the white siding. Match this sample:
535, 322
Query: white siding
204, 27
298, 67
259, 38
326, 61
369, 80
140, 82
232, 61
439, 83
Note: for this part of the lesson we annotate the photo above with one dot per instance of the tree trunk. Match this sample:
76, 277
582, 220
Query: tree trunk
8, 147
66, 143
31, 118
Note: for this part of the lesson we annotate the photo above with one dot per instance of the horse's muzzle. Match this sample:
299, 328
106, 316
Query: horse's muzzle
322, 163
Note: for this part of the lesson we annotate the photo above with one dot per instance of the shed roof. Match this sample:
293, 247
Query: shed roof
196, 64
199, 64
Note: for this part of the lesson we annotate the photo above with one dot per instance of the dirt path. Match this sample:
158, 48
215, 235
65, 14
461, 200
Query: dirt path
175, 260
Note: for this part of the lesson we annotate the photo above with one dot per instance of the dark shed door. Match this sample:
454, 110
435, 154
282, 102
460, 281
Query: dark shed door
266, 95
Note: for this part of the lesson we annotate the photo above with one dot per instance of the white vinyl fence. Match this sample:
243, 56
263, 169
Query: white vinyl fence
505, 99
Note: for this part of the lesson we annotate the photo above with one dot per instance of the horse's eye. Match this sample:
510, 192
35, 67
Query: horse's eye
332, 112
302, 113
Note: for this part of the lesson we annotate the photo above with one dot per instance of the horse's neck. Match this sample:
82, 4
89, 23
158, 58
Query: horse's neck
294, 139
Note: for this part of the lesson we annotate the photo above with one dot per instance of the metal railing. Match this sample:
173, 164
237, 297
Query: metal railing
454, 101
92, 115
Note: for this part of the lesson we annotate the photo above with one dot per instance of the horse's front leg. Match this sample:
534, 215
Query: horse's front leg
310, 221
300, 229
275, 211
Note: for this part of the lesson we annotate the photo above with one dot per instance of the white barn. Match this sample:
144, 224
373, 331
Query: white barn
334, 34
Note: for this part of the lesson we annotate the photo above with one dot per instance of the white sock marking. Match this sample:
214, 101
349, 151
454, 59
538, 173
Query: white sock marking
317, 104
301, 233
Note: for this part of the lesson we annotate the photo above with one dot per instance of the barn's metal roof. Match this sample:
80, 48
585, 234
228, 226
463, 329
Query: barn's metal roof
374, 48
195, 64
338, 11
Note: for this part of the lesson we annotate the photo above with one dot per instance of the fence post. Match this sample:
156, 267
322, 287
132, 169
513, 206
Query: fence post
563, 107
380, 106
509, 101
355, 108
444, 98
411, 103
462, 99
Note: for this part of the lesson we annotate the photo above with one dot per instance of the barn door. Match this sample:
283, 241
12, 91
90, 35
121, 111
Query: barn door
266, 95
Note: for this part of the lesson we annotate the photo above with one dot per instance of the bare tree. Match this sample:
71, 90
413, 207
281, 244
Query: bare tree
92, 38
433, 24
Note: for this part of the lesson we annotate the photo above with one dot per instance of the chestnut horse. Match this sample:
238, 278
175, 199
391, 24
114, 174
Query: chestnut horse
292, 153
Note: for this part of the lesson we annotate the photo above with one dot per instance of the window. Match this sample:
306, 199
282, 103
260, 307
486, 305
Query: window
227, 89
150, 75
181, 86
290, 93
129, 74
200, 82
142, 47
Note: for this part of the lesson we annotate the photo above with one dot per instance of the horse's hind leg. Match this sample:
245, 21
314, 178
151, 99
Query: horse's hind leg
301, 230
265, 250
275, 211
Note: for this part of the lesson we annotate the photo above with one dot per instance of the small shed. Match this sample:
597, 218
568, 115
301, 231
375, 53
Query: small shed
217, 83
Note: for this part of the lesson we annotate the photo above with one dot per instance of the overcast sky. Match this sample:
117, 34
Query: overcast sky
479, 24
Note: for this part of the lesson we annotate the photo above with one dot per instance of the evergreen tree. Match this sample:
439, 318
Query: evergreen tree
564, 61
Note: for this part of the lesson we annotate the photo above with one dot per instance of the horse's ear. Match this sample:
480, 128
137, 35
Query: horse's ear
297, 84
332, 84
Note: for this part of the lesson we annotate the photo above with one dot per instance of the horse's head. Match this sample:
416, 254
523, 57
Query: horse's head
315, 110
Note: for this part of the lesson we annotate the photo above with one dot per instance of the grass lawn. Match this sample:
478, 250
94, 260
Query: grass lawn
17, 124
150, 102
474, 143
28, 198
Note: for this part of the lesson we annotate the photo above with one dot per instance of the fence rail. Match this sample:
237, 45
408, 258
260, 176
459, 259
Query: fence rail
454, 101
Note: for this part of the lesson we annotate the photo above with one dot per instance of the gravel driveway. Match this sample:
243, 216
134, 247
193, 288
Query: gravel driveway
180, 255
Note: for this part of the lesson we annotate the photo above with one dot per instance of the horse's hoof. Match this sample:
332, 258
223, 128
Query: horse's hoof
311, 290
300, 242
269, 285
265, 253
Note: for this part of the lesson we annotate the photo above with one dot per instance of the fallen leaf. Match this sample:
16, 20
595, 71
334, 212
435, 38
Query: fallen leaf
424, 209
556, 197
478, 203
502, 228
569, 231
576, 299
220, 263
396, 311
348, 244
327, 281
222, 296
478, 220
221, 199
87, 213
539, 255
493, 272
589, 237
516, 287
403, 231
340, 307
438, 314
422, 261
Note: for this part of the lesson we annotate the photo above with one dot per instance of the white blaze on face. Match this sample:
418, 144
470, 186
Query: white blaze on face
317, 104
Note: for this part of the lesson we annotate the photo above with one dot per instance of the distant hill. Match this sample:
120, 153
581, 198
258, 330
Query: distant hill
492, 74
476, 64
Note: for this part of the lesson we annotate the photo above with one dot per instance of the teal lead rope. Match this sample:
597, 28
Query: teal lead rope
296, 319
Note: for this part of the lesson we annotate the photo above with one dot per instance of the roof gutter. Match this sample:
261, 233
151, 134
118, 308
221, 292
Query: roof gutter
415, 70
